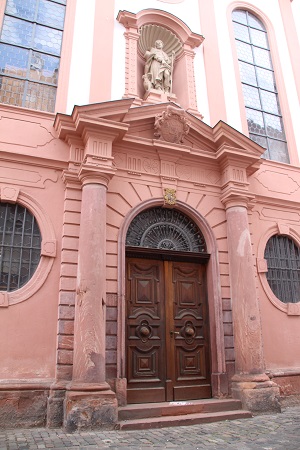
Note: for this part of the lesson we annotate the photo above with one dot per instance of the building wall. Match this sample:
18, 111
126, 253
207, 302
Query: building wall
42, 156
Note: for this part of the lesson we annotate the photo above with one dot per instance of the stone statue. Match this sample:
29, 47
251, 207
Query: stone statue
158, 69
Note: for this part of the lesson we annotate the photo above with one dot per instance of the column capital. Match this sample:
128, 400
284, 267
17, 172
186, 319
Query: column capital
236, 197
95, 175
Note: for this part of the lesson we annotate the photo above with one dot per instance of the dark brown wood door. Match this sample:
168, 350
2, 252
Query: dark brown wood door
167, 332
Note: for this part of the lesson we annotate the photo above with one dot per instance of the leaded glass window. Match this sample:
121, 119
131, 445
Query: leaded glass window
264, 117
30, 47
283, 259
20, 246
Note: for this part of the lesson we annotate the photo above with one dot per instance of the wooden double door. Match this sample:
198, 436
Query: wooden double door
167, 331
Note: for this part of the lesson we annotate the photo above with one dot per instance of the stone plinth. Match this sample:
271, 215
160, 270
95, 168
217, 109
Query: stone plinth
257, 393
156, 96
88, 410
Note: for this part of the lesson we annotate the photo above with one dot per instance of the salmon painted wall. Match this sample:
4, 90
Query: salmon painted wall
276, 210
93, 56
32, 159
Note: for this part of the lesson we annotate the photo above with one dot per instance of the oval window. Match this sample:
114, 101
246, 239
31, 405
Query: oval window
20, 249
283, 259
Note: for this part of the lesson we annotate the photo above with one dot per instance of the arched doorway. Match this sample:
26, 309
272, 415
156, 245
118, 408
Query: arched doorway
167, 326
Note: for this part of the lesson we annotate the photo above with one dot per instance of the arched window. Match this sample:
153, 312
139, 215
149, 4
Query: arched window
264, 117
20, 246
30, 46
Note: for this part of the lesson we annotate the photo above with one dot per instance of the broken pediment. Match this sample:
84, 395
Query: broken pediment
161, 127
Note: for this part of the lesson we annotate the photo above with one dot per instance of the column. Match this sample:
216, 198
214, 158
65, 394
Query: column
250, 382
90, 403
89, 331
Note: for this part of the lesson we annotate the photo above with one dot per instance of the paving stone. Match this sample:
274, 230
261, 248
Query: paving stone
267, 432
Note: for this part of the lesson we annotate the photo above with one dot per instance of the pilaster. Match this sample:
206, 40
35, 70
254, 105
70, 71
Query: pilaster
189, 55
131, 36
67, 287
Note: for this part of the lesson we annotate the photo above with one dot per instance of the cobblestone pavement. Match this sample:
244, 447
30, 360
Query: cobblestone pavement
267, 432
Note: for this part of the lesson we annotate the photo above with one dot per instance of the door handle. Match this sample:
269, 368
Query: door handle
174, 332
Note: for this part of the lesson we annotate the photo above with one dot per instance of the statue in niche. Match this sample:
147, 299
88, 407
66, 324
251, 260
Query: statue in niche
158, 69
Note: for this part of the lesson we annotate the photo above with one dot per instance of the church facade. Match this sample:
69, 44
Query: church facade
150, 207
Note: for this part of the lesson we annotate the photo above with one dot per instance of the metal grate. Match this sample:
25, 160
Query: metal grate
283, 257
166, 229
20, 249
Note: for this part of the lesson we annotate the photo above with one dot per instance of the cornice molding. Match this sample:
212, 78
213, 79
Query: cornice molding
161, 18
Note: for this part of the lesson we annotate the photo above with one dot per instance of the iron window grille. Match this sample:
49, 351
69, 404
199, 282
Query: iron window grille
20, 249
30, 47
283, 259
165, 229
263, 113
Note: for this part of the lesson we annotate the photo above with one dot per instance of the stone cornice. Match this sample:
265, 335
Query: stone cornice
68, 128
100, 117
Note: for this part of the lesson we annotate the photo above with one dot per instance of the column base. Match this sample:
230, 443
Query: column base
257, 393
90, 409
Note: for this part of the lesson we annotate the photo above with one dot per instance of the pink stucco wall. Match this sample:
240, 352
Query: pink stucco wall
32, 161
108, 156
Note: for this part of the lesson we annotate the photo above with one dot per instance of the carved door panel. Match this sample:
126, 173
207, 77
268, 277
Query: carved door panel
146, 371
188, 374
166, 331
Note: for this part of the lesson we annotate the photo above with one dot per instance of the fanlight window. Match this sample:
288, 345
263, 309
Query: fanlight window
165, 229
283, 259
20, 246
264, 117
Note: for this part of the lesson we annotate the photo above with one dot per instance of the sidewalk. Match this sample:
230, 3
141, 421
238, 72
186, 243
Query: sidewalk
267, 432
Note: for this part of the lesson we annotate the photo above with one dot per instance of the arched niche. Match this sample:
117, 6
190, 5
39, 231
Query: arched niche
142, 30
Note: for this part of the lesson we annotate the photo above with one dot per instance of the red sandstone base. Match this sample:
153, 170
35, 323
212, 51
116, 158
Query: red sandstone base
257, 393
90, 410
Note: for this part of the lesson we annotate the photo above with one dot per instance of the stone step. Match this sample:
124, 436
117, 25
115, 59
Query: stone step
148, 410
181, 420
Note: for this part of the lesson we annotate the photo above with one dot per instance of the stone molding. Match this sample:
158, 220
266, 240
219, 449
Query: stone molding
48, 246
291, 309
